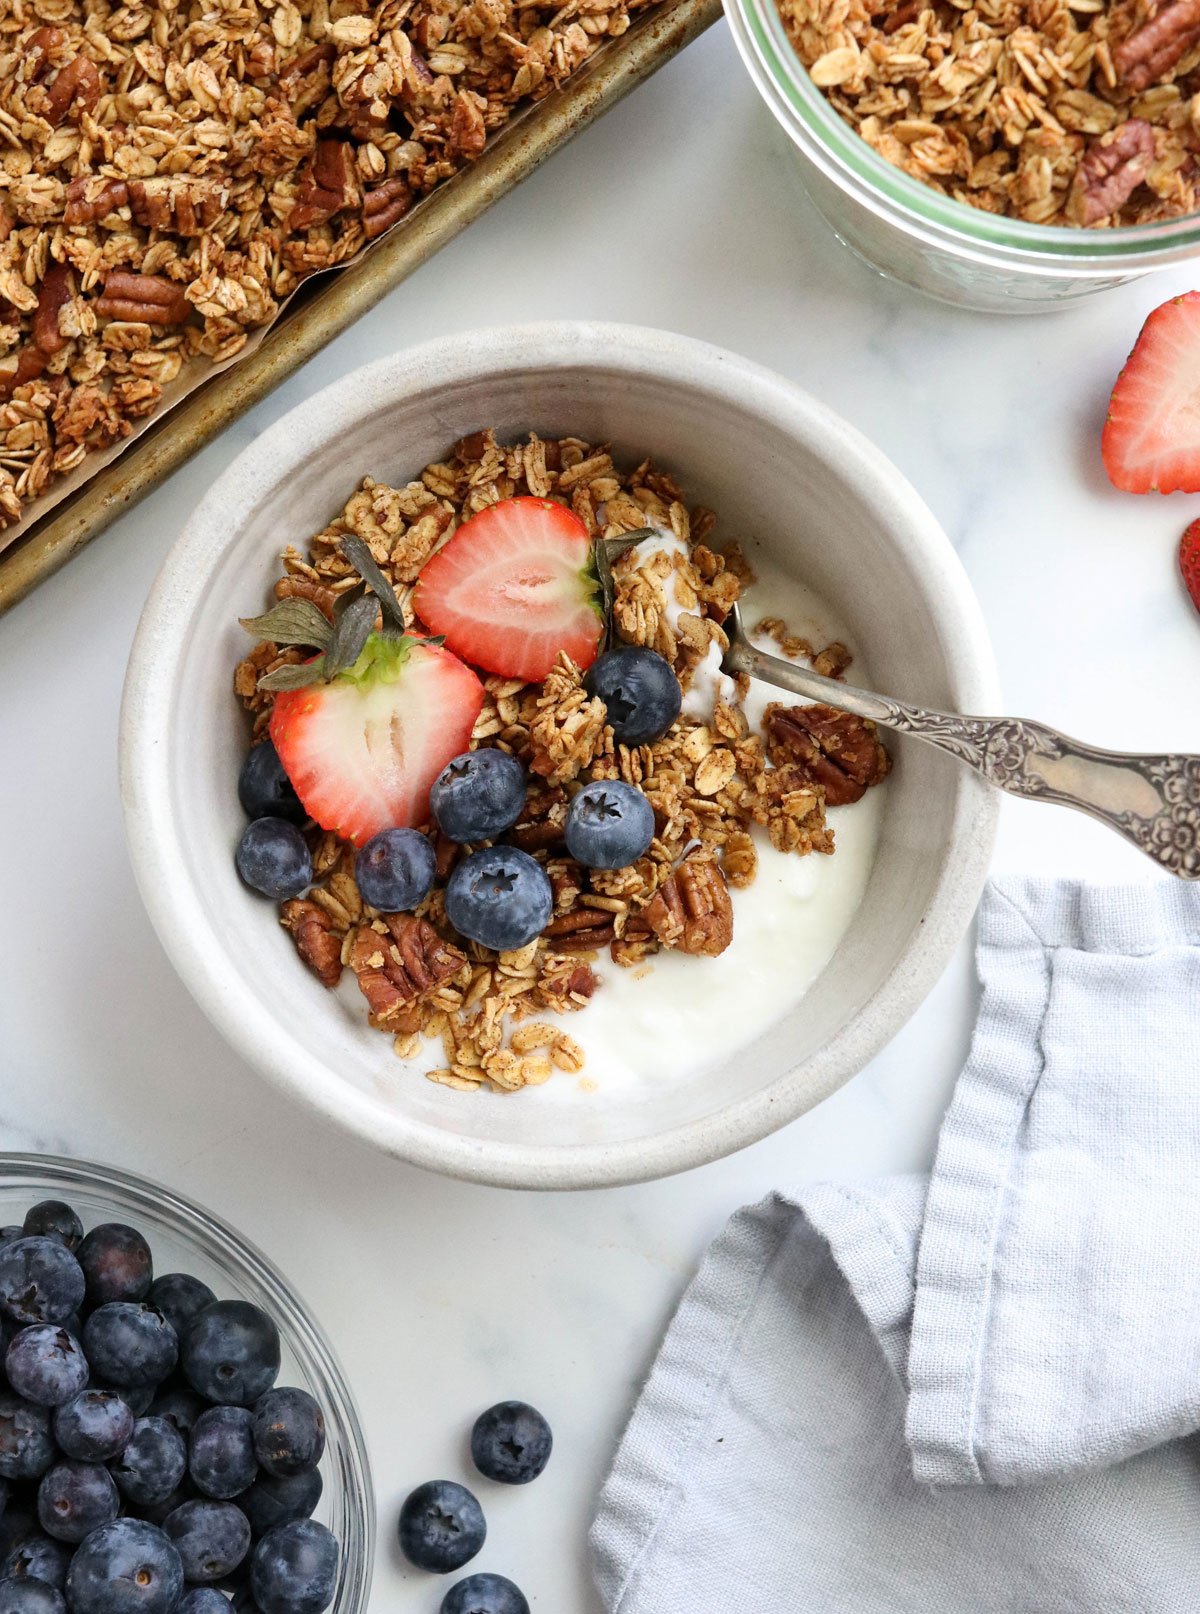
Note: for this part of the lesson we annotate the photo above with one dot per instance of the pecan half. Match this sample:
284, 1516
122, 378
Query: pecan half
327, 187
584, 930
27, 366
833, 749
384, 206
307, 588
148, 298
1111, 170
305, 80
53, 294
177, 203
75, 90
91, 197
693, 911
396, 969
1151, 51
317, 942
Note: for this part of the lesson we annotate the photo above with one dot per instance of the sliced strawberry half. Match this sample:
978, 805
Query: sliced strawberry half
513, 588
363, 749
1151, 441
1189, 562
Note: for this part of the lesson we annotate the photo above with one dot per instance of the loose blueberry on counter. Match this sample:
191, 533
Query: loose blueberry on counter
200, 1600
37, 1557
52, 1219
609, 825
640, 691
441, 1526
179, 1297
221, 1456
152, 1464
94, 1426
30, 1597
484, 1594
395, 869
26, 1448
117, 1264
478, 795
294, 1569
231, 1353
45, 1364
264, 789
211, 1539
127, 1567
500, 898
511, 1443
179, 1406
76, 1498
40, 1281
271, 1501
289, 1432
129, 1344
273, 858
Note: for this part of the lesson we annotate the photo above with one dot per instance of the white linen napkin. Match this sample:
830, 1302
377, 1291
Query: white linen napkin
968, 1394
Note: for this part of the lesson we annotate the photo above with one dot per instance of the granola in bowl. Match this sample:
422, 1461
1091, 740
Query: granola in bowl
1082, 115
737, 787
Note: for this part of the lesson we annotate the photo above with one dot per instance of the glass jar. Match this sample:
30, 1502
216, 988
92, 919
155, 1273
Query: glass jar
914, 233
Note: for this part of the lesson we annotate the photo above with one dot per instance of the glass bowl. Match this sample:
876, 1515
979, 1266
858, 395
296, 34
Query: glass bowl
185, 1237
913, 233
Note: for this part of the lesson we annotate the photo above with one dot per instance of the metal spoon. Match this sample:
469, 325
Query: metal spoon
1153, 801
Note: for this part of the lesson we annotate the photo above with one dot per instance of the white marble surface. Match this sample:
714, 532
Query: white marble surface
678, 210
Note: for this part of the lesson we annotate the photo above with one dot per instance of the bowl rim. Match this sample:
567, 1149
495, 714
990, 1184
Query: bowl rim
194, 946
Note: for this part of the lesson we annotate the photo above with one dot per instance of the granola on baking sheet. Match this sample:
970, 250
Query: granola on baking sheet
1084, 114
171, 171
712, 781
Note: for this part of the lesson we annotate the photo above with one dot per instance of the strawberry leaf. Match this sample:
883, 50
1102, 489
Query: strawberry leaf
302, 676
361, 558
291, 622
351, 632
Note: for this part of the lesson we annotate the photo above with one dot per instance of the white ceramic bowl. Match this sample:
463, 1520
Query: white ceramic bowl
775, 464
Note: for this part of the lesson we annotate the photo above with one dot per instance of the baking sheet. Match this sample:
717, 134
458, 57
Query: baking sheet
328, 303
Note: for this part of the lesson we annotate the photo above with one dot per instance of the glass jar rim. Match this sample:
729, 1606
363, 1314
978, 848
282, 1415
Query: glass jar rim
856, 165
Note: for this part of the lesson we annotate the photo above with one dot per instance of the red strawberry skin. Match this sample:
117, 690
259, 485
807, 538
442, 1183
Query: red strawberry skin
363, 750
1189, 562
1151, 439
512, 588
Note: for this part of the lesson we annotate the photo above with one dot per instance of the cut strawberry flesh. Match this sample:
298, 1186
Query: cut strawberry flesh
513, 588
363, 751
1151, 440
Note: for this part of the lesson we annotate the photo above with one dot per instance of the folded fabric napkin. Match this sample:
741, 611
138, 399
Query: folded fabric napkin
972, 1392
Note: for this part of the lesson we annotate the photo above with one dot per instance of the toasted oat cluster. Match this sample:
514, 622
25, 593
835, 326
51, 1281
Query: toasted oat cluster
713, 783
169, 172
1083, 114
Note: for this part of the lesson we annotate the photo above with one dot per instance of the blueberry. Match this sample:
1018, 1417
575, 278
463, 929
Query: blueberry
152, 1464
93, 1426
127, 1567
179, 1297
200, 1600
52, 1219
37, 1557
221, 1456
9, 1233
76, 1498
500, 898
40, 1281
231, 1353
45, 1364
264, 789
271, 1501
130, 1344
18, 1523
179, 1406
116, 1263
294, 1569
395, 869
609, 825
26, 1449
484, 1594
478, 795
289, 1432
640, 691
273, 857
159, 1512
30, 1597
211, 1538
511, 1443
441, 1526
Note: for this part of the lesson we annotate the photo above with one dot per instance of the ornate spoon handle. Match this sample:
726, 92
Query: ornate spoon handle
1154, 801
